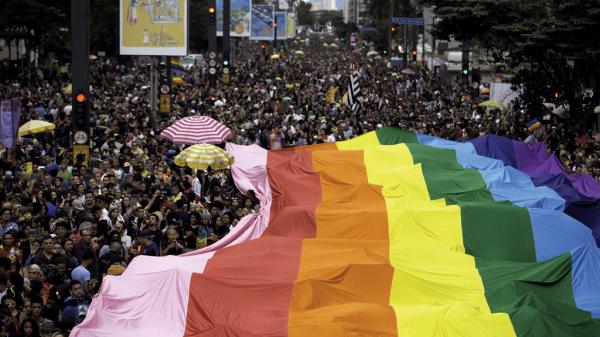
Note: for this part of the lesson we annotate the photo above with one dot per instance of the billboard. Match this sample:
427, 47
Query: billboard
150, 27
239, 19
281, 25
291, 25
262, 22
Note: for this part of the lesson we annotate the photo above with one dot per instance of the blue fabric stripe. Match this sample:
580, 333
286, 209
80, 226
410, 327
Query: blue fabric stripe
554, 232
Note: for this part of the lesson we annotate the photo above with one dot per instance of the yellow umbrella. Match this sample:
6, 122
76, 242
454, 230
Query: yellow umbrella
201, 156
491, 104
275, 57
35, 126
299, 53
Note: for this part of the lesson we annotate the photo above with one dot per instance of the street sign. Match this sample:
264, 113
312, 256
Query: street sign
212, 55
165, 103
212, 71
83, 152
408, 21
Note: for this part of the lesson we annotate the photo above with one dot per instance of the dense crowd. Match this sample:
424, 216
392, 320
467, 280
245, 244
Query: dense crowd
65, 226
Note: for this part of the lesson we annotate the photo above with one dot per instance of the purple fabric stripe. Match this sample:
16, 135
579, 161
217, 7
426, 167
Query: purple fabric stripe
496, 147
582, 192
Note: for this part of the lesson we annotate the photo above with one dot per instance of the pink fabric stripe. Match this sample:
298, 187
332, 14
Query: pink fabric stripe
151, 298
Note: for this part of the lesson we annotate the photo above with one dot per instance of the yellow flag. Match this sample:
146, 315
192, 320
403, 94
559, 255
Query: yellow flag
201, 242
331, 95
28, 168
345, 98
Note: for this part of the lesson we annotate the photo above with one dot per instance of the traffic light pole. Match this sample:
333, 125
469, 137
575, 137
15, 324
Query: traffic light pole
275, 34
226, 29
212, 27
405, 46
80, 77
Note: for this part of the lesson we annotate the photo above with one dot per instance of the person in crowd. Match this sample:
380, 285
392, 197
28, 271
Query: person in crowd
67, 221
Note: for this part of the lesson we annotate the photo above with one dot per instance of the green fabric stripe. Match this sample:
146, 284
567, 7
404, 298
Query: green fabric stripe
537, 296
392, 136
495, 230
498, 231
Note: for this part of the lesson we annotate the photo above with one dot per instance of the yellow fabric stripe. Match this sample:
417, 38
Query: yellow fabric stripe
436, 288
361, 142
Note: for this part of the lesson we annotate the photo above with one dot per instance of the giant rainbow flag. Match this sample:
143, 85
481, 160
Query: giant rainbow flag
389, 234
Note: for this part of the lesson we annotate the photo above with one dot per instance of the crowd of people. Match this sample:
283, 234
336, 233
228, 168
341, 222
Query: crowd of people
64, 225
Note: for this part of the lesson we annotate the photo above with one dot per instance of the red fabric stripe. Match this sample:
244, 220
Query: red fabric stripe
245, 290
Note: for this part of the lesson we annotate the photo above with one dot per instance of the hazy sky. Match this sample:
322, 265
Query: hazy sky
340, 3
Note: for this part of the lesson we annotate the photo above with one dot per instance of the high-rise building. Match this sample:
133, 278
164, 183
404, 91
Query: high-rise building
323, 5
355, 11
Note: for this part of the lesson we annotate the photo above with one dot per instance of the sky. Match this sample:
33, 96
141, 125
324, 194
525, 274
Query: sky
339, 3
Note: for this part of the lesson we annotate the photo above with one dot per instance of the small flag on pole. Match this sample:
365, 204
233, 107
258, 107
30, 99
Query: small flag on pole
533, 125
354, 92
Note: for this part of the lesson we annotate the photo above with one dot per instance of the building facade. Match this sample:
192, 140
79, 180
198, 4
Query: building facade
355, 11
323, 5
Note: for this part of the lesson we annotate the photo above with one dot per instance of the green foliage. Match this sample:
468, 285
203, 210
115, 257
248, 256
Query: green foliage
536, 40
305, 17
41, 19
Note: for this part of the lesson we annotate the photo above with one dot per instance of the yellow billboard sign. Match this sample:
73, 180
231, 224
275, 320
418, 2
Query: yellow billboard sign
150, 27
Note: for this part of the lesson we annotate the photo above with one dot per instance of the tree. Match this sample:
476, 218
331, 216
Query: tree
305, 16
104, 27
381, 13
39, 19
552, 47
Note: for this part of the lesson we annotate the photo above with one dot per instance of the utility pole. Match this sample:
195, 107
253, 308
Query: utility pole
212, 26
226, 27
275, 33
226, 40
212, 44
153, 91
405, 46
388, 27
80, 76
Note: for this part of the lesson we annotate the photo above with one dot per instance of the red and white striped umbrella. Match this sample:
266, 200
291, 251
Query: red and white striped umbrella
196, 130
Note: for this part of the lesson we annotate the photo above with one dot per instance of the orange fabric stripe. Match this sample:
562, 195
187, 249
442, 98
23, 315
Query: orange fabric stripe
334, 293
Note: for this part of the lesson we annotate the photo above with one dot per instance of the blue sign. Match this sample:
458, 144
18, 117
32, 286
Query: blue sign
262, 22
408, 21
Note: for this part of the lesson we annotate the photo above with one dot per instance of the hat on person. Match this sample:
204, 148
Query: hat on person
127, 164
146, 233
34, 267
115, 270
47, 326
159, 215
78, 204
82, 310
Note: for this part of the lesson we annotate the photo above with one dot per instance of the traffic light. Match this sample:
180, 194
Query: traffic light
81, 112
282, 45
385, 51
394, 29
414, 55
212, 15
225, 59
